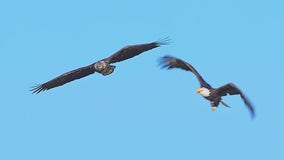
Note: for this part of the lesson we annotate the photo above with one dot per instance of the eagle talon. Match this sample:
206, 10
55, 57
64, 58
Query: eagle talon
214, 108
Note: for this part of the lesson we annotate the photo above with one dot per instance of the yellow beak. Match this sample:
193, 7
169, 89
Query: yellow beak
199, 90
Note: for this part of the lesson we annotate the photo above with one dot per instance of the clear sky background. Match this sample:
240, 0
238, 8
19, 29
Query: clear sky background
141, 112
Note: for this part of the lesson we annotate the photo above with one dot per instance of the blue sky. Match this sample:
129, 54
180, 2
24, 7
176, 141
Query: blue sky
141, 111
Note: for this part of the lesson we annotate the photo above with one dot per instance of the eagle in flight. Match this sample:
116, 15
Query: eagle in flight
103, 66
214, 95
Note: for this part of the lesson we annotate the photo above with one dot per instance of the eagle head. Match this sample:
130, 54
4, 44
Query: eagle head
101, 65
205, 92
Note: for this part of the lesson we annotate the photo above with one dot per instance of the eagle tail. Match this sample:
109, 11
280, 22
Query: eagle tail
226, 105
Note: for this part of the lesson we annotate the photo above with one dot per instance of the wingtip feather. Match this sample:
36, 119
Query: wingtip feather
163, 41
164, 62
37, 89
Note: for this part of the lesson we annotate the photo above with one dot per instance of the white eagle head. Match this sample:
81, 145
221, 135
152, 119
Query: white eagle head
205, 92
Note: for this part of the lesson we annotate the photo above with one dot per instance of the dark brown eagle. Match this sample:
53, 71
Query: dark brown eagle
102, 66
214, 95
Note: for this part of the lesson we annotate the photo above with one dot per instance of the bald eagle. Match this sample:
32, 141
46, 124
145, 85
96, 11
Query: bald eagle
102, 66
214, 95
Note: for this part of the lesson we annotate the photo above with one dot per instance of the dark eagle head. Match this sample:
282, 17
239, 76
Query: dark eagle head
103, 67
108, 70
100, 65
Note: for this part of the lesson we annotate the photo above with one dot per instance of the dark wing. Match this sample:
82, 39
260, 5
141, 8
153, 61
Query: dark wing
171, 62
64, 78
231, 89
134, 50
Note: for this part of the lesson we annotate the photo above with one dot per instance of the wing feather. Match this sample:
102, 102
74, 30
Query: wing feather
134, 50
170, 62
232, 89
64, 78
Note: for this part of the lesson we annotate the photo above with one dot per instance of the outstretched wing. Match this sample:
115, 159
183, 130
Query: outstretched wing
134, 50
231, 89
171, 62
64, 78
